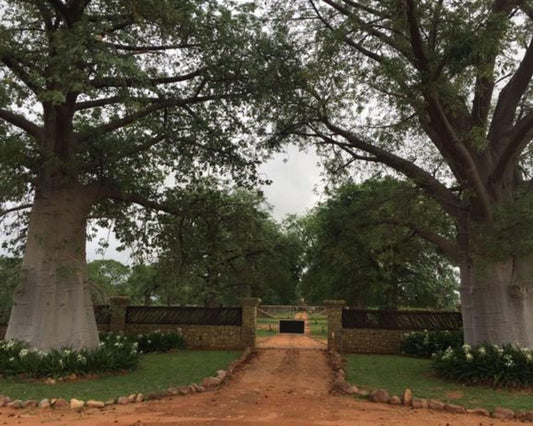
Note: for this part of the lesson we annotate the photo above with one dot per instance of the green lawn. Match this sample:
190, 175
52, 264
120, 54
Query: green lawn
319, 326
156, 372
265, 333
395, 373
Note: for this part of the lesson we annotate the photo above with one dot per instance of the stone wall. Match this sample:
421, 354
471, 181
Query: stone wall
359, 340
370, 341
223, 337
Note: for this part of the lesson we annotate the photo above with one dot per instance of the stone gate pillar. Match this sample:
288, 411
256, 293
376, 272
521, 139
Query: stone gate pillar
249, 319
334, 313
118, 305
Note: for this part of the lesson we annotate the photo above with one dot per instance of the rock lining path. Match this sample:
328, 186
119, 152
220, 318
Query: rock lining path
278, 387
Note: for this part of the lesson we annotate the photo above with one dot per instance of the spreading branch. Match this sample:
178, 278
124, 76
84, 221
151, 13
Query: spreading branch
367, 27
417, 44
124, 154
358, 46
132, 198
518, 139
450, 202
107, 82
484, 85
21, 122
157, 106
150, 48
448, 247
16, 67
509, 99
15, 209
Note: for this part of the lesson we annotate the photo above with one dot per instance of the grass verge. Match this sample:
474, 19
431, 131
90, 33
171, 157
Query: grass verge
156, 372
395, 373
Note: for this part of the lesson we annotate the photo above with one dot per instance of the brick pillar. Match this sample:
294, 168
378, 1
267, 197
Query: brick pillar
249, 317
334, 313
118, 305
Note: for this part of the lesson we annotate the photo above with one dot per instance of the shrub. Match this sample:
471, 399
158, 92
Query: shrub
155, 341
425, 343
114, 353
158, 341
501, 366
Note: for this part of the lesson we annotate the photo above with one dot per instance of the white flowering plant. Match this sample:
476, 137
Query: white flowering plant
509, 366
424, 344
161, 341
154, 341
116, 352
18, 359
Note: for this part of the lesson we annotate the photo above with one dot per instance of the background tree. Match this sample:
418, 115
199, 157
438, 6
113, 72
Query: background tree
225, 246
358, 254
107, 278
148, 284
439, 91
101, 104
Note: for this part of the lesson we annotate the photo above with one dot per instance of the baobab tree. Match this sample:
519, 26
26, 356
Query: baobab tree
101, 103
439, 92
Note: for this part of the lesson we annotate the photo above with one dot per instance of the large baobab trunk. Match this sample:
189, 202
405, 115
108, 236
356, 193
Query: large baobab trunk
52, 306
497, 301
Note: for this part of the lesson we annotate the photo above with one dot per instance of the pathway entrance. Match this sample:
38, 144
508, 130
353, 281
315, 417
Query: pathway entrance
278, 387
291, 340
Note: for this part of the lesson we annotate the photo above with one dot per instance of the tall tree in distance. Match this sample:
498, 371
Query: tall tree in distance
101, 104
440, 92
356, 252
224, 247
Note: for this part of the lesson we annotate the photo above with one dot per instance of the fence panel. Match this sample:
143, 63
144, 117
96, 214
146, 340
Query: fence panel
183, 315
401, 320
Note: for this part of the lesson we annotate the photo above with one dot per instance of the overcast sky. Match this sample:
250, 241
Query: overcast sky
296, 187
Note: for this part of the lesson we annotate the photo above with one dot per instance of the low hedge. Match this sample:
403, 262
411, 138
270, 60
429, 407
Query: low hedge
424, 344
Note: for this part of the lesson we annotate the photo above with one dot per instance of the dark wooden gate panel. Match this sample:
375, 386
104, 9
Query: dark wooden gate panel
291, 326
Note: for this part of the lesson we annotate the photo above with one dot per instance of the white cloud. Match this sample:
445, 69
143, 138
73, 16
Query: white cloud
296, 182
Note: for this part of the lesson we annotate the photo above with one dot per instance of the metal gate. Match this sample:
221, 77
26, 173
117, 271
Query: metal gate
292, 326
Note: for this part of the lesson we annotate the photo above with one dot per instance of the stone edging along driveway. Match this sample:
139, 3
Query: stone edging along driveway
340, 385
337, 384
77, 404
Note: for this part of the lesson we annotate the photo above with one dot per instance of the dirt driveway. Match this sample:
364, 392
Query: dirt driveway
277, 387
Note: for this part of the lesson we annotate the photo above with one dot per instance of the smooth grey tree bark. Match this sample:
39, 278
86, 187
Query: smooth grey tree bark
52, 306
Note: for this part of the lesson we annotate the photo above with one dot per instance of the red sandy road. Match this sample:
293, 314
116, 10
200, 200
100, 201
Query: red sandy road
278, 387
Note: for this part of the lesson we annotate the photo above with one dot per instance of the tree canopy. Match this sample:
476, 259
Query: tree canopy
227, 246
103, 106
357, 253
440, 92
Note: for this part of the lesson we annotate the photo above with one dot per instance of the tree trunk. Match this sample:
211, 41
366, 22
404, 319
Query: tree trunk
52, 306
497, 301
467, 284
